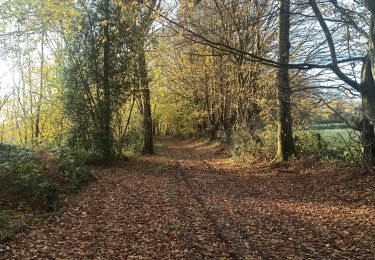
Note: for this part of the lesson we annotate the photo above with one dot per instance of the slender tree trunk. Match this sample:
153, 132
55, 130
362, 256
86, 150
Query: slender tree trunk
38, 109
286, 148
31, 104
2, 131
212, 133
367, 91
106, 138
154, 125
122, 137
148, 144
22, 104
228, 134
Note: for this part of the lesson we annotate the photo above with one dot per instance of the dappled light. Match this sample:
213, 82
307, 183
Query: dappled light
190, 129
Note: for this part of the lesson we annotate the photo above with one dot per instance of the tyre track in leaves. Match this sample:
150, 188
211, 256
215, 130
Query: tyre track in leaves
196, 235
258, 221
124, 215
237, 241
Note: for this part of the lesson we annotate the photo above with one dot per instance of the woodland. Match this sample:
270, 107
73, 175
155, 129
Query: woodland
187, 129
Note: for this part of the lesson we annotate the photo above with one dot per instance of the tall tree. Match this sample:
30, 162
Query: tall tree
368, 71
286, 147
367, 85
97, 72
106, 150
146, 19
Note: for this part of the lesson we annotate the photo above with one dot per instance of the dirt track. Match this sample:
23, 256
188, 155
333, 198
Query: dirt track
190, 202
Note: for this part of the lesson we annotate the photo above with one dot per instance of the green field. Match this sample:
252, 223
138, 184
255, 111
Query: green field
335, 135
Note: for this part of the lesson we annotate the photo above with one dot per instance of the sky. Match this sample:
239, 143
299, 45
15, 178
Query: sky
6, 78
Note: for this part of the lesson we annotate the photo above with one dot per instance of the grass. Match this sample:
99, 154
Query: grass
335, 137
329, 126
338, 144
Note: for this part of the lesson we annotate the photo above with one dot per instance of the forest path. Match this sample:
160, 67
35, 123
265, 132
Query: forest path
148, 208
190, 201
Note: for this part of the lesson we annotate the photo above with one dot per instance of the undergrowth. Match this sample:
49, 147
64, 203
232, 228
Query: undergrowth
308, 144
36, 181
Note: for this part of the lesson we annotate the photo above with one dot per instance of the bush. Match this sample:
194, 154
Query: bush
34, 180
25, 184
34, 186
309, 143
252, 146
49, 192
10, 223
312, 143
133, 142
75, 168
11, 154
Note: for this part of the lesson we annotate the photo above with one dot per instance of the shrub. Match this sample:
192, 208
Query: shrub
50, 194
75, 169
252, 146
309, 143
11, 154
10, 223
25, 183
133, 142
312, 143
34, 180
35, 185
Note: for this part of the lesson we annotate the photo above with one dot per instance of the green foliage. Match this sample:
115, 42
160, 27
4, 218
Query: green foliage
252, 147
25, 184
330, 143
30, 181
92, 96
133, 142
11, 154
337, 145
23, 180
76, 167
175, 227
309, 143
50, 194
11, 221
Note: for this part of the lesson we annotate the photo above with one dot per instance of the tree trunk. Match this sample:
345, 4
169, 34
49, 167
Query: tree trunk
368, 139
228, 134
39, 105
2, 131
155, 127
148, 144
368, 101
286, 148
368, 70
106, 138
368, 88
228, 129
212, 133
368, 94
